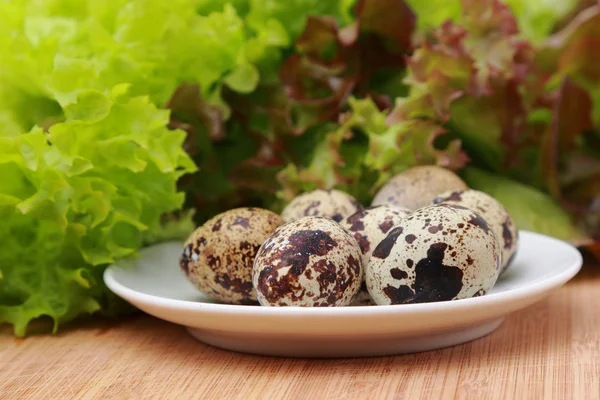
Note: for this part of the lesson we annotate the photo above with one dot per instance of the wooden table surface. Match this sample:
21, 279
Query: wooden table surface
550, 350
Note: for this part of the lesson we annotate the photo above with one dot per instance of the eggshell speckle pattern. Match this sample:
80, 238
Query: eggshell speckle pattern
494, 214
310, 262
417, 187
438, 253
371, 226
321, 203
218, 257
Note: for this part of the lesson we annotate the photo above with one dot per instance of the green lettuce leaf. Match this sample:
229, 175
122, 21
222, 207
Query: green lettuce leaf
78, 197
53, 48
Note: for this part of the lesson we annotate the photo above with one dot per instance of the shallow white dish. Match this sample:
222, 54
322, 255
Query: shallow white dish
155, 284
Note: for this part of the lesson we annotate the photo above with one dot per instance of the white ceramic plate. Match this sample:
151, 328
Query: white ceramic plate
155, 284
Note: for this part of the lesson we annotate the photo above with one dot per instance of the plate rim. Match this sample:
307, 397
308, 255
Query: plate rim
534, 289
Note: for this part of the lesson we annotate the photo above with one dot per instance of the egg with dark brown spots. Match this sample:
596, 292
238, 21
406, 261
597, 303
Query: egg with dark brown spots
369, 227
417, 187
332, 204
438, 253
218, 257
308, 262
494, 214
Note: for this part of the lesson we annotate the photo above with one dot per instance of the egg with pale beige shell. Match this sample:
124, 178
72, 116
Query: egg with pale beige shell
308, 262
218, 256
438, 253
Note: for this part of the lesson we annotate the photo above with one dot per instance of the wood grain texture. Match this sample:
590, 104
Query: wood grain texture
550, 350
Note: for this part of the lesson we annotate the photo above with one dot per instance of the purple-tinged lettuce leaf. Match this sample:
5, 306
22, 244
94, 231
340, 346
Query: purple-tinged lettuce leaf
536, 19
572, 116
332, 63
470, 77
364, 151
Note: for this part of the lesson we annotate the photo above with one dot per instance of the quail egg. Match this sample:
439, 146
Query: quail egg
438, 253
218, 257
322, 203
417, 187
494, 214
310, 262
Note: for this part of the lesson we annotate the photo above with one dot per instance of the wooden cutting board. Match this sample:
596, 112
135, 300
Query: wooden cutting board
550, 350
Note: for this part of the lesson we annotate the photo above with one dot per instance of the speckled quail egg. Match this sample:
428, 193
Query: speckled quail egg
321, 203
369, 227
494, 214
417, 187
218, 257
310, 262
438, 253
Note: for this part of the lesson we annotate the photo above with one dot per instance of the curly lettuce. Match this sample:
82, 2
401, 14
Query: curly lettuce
79, 196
